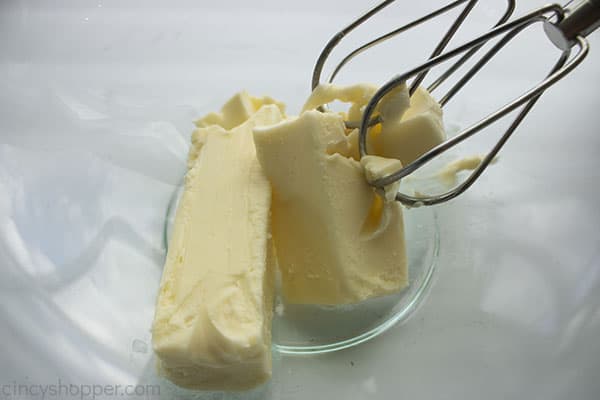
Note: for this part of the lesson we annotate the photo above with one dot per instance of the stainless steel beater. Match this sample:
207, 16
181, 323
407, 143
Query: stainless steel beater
565, 26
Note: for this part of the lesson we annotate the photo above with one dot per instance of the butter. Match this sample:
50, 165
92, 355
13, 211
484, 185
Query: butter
394, 104
358, 94
410, 126
379, 167
324, 213
416, 131
376, 167
448, 174
237, 110
213, 314
253, 173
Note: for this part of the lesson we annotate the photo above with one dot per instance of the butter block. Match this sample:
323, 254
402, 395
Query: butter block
237, 110
417, 130
321, 205
212, 326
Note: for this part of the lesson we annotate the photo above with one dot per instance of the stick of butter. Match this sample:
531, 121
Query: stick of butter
212, 327
321, 206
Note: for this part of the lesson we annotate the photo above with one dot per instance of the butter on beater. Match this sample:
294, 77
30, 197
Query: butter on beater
376, 167
449, 174
379, 167
414, 132
411, 125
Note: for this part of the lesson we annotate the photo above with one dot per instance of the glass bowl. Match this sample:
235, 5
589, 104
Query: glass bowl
313, 329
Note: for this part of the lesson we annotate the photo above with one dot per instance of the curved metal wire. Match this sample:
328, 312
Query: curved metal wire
509, 10
394, 82
391, 34
336, 39
527, 100
560, 69
458, 190
443, 43
333, 42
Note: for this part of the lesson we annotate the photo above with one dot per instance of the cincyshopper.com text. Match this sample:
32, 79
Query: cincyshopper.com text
67, 390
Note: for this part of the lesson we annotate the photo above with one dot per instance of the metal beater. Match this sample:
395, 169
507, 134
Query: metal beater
565, 26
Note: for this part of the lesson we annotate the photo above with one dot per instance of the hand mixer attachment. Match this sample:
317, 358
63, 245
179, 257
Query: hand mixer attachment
565, 26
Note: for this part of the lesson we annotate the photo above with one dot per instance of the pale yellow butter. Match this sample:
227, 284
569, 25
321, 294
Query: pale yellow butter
449, 174
414, 132
212, 327
233, 113
237, 110
358, 95
322, 206
337, 240
379, 167
411, 125
376, 167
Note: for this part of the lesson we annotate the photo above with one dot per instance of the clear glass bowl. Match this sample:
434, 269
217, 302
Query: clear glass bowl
97, 104
313, 329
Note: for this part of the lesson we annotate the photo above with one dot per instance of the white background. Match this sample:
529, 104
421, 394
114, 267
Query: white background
96, 103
